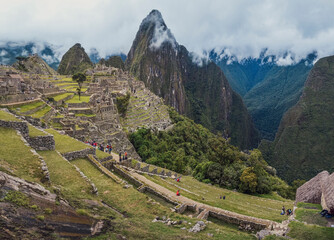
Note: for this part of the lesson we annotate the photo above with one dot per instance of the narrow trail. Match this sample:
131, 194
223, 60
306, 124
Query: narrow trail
184, 200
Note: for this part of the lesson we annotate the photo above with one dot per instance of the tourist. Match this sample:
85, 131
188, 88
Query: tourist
224, 197
283, 210
110, 149
123, 158
126, 155
120, 157
178, 193
178, 179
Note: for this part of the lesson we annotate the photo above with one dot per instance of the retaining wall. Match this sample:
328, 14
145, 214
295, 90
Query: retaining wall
22, 127
235, 220
41, 142
79, 154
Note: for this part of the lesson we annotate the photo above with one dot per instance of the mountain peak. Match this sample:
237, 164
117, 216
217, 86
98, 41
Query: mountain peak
154, 17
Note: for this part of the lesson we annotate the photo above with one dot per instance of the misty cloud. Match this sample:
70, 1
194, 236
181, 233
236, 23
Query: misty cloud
242, 26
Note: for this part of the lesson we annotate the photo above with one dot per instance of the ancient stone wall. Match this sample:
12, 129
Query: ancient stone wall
22, 127
19, 98
79, 154
41, 142
234, 220
78, 105
125, 175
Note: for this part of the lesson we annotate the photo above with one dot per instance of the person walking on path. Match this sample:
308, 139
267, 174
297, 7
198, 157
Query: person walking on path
126, 155
178, 193
120, 156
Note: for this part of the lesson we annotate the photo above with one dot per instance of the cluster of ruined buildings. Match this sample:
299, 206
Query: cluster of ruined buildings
15, 87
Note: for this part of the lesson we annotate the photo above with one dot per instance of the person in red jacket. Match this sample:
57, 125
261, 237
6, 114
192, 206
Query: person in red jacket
178, 193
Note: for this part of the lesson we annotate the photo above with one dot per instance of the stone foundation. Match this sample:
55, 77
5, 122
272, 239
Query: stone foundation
41, 143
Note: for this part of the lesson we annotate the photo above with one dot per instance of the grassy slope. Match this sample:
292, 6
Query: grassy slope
16, 158
279, 90
65, 143
142, 211
75, 99
8, 117
237, 202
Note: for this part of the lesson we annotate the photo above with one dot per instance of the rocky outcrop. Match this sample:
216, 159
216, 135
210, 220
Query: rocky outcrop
318, 190
74, 60
22, 221
197, 89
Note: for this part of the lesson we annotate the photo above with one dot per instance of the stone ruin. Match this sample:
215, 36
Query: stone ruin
318, 190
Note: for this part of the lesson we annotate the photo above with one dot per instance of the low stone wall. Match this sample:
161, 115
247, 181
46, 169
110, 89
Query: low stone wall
78, 105
87, 111
234, 220
19, 98
22, 127
79, 154
41, 143
165, 198
125, 175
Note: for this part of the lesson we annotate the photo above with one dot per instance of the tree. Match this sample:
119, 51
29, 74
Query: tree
79, 78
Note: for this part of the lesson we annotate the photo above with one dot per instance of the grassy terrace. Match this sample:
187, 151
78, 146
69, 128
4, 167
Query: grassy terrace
101, 155
61, 96
307, 212
41, 113
261, 207
75, 99
65, 176
7, 116
141, 211
16, 158
27, 107
65, 143
34, 132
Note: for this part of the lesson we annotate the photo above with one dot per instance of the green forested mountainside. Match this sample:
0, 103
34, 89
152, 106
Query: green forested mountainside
113, 61
279, 90
74, 60
304, 142
199, 91
34, 64
189, 148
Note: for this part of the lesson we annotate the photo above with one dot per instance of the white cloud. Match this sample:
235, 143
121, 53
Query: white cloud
3, 53
244, 27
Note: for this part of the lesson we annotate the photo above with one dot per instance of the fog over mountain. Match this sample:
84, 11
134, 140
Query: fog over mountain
243, 28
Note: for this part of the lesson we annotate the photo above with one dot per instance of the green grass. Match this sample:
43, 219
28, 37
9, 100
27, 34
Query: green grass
41, 113
62, 96
141, 212
310, 213
8, 117
75, 99
237, 202
101, 155
85, 115
300, 231
17, 158
34, 132
64, 176
27, 107
65, 143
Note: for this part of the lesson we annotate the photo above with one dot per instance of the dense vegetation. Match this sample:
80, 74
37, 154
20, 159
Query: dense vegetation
122, 103
189, 148
268, 89
303, 146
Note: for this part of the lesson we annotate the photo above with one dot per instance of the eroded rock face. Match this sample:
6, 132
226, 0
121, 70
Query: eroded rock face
318, 190
25, 222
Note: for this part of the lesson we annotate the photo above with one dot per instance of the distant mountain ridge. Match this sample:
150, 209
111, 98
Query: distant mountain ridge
303, 145
268, 88
200, 92
10, 50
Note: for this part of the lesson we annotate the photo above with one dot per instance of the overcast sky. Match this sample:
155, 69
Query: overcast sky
244, 26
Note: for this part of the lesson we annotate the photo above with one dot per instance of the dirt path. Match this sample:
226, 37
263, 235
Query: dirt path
185, 200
